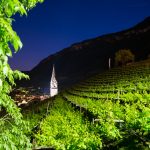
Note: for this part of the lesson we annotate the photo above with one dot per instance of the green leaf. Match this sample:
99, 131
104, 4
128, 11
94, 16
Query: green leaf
1, 50
5, 70
1, 82
8, 52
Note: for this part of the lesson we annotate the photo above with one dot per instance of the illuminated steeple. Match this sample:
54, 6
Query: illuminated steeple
53, 84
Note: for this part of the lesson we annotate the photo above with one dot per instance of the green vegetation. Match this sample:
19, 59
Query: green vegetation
11, 122
110, 110
65, 128
123, 56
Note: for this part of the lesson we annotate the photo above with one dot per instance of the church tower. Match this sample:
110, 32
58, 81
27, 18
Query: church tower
53, 84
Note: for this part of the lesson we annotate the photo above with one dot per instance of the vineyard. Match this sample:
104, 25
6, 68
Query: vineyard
108, 111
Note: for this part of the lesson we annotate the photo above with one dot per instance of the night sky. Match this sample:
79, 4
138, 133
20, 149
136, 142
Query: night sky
57, 24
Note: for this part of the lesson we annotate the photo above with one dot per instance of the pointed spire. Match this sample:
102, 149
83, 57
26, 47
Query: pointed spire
53, 73
53, 84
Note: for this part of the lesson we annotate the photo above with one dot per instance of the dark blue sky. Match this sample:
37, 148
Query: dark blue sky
56, 24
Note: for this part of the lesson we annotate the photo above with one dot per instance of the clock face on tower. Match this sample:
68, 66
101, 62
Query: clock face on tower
54, 84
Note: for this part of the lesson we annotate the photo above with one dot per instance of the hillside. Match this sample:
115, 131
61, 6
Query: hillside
109, 110
89, 57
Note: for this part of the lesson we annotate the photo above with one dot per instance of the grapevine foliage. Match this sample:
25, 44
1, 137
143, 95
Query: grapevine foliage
108, 111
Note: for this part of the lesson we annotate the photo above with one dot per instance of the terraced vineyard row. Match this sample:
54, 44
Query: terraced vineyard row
112, 108
64, 128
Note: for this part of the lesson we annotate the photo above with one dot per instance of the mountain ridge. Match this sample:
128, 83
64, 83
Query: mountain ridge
90, 56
